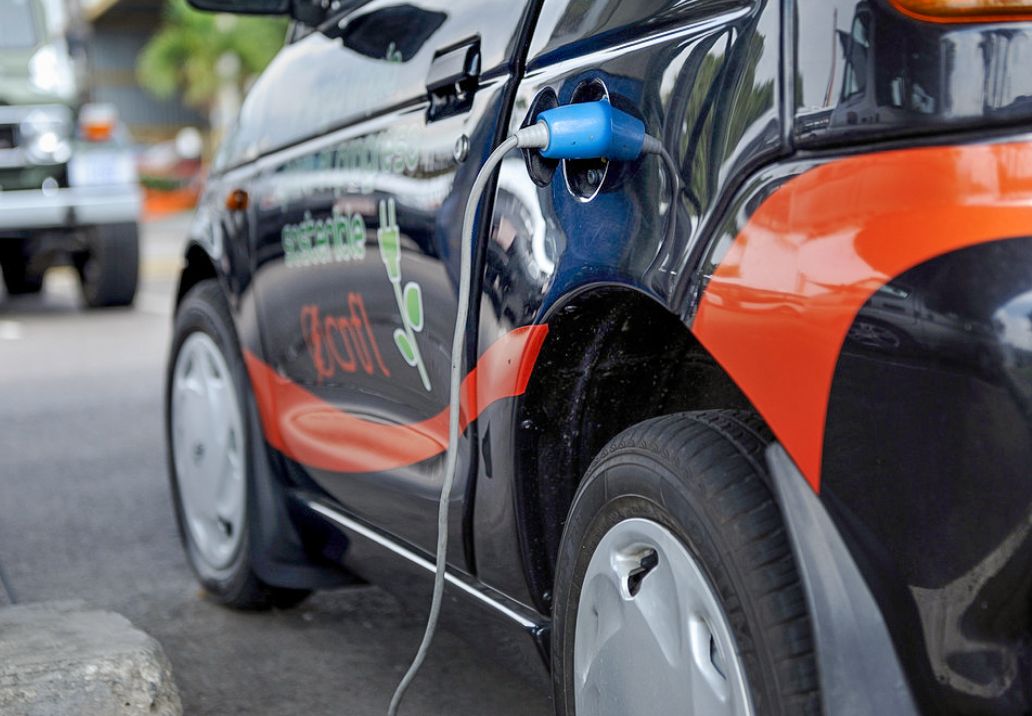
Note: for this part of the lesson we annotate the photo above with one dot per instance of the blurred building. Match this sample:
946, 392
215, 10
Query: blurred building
120, 30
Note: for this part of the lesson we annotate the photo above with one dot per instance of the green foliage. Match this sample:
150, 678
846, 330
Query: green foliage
161, 183
182, 55
715, 133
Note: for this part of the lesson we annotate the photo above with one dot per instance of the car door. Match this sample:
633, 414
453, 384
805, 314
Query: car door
368, 136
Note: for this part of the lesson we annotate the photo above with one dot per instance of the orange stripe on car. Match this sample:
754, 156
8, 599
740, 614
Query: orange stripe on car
777, 309
315, 433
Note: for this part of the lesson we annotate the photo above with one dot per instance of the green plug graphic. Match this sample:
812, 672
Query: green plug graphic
410, 301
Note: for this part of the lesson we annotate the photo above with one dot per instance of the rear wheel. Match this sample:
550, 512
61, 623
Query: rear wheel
676, 590
210, 452
110, 269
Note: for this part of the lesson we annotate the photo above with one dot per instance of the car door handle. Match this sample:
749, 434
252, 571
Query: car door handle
453, 80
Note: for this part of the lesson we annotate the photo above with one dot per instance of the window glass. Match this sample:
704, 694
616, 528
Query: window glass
857, 46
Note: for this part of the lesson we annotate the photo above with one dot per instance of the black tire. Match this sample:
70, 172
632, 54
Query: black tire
110, 269
204, 309
18, 279
702, 476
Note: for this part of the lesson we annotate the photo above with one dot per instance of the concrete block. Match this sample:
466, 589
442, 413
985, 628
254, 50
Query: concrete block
60, 659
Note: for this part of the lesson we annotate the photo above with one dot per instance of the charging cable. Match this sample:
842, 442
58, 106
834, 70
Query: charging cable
587, 130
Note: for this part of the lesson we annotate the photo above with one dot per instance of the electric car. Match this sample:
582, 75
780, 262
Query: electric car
752, 438
68, 191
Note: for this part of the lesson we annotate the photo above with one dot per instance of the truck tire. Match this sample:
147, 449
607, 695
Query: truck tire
110, 269
210, 453
676, 589
18, 278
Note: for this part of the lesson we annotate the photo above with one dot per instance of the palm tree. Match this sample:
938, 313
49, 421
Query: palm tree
209, 58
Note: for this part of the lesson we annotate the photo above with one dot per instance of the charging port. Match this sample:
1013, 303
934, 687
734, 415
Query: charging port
541, 169
585, 177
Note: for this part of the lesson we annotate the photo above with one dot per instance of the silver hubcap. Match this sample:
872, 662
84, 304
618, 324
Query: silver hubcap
651, 637
208, 449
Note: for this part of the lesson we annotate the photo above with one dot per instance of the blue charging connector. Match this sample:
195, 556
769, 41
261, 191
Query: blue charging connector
592, 130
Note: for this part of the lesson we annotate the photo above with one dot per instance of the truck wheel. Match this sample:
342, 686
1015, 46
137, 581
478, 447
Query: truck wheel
18, 279
110, 269
210, 452
676, 590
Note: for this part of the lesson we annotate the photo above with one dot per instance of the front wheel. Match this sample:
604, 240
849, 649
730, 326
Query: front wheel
676, 590
19, 278
210, 452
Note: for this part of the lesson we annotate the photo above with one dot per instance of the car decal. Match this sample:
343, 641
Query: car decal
779, 304
410, 302
316, 433
314, 242
342, 342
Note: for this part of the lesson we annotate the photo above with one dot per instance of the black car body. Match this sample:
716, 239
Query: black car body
852, 263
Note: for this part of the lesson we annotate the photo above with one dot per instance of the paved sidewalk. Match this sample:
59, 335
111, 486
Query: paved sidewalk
63, 659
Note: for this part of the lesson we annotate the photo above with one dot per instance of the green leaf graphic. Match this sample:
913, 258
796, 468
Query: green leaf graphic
414, 305
407, 351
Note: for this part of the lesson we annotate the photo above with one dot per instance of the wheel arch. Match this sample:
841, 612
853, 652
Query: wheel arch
614, 357
198, 266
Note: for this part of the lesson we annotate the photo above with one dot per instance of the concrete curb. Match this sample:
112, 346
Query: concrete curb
60, 659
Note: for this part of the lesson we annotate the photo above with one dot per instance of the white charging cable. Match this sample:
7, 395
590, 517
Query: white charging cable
533, 136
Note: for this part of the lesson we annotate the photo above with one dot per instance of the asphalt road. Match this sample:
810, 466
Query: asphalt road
85, 513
